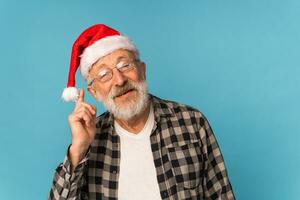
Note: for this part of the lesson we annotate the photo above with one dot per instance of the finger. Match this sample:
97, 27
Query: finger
85, 111
80, 99
81, 96
90, 107
87, 120
91, 120
86, 117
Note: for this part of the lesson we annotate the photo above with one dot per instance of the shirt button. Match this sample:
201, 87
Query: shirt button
165, 194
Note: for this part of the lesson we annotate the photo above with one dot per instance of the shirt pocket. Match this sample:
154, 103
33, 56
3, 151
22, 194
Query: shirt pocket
186, 160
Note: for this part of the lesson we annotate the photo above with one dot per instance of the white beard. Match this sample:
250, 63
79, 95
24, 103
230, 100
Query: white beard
130, 108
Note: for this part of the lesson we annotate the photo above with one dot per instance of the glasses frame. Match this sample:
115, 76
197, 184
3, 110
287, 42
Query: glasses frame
133, 63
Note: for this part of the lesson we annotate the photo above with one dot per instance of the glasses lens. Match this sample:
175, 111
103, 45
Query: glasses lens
126, 67
106, 74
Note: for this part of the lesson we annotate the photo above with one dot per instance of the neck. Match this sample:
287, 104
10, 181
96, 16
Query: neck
136, 123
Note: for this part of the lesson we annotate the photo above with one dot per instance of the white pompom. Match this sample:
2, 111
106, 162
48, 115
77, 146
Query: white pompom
70, 94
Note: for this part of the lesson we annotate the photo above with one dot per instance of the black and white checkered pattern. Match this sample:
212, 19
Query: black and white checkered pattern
188, 161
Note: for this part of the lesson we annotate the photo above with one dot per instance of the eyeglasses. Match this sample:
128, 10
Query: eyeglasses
105, 74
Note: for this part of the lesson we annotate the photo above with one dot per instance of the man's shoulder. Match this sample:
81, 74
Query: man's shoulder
183, 115
176, 107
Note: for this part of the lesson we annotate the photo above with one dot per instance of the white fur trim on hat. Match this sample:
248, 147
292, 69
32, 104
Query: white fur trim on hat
70, 94
101, 48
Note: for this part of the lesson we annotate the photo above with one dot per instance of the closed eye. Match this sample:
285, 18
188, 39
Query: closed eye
123, 66
103, 73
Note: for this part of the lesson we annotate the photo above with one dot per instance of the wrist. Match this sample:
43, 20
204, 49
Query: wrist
76, 154
77, 151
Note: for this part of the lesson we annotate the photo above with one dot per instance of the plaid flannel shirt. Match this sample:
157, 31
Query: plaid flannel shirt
187, 158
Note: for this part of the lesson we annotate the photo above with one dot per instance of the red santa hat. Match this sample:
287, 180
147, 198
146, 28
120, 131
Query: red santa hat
92, 44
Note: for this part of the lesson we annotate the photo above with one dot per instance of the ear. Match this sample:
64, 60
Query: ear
92, 91
143, 70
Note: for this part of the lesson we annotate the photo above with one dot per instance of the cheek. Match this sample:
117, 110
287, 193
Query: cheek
102, 91
138, 76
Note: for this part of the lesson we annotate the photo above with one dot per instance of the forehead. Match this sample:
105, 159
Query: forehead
114, 57
111, 60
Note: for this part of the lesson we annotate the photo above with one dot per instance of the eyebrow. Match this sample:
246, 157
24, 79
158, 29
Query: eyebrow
118, 60
121, 58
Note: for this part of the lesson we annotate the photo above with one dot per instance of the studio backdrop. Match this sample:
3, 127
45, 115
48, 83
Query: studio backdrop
236, 61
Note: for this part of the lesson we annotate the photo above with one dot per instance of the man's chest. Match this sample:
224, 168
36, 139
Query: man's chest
176, 154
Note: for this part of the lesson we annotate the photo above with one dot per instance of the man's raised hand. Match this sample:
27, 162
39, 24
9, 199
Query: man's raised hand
82, 122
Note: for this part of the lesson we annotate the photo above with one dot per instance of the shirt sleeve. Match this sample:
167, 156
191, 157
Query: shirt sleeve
67, 186
216, 185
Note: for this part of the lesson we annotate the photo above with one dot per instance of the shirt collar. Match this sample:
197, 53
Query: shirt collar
161, 108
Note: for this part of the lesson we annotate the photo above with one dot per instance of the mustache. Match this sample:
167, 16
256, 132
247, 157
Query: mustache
118, 91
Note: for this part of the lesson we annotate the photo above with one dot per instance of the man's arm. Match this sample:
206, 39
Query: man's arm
216, 181
70, 176
70, 183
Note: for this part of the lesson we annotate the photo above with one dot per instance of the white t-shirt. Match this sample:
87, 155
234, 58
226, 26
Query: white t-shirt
137, 178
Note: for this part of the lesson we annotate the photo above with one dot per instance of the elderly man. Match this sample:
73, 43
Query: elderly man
143, 147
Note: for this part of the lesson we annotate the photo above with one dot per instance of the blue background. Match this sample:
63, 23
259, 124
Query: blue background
236, 61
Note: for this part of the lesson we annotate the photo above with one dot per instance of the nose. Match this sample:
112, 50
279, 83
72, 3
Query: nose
118, 77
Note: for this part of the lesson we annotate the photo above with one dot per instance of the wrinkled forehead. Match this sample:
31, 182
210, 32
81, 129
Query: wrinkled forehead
113, 58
